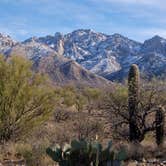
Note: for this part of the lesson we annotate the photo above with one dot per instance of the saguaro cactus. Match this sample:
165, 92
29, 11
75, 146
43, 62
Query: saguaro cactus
160, 126
133, 97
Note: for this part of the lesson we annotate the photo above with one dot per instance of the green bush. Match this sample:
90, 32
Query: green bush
26, 98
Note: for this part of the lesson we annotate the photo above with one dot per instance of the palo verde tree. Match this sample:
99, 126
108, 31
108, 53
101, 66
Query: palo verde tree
26, 98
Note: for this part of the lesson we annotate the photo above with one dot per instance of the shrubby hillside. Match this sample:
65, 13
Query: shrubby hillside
36, 115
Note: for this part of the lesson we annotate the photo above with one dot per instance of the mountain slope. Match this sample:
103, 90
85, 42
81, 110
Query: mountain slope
65, 71
6, 42
60, 69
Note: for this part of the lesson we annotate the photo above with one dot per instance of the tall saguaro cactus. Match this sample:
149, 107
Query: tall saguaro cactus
133, 97
160, 126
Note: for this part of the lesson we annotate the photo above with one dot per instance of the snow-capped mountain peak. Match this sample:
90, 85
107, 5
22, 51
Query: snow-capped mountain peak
106, 55
155, 44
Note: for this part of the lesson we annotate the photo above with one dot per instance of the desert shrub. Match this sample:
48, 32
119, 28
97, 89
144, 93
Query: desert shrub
31, 152
86, 128
17, 151
61, 114
71, 96
92, 95
26, 98
68, 95
26, 151
39, 156
80, 101
63, 134
135, 151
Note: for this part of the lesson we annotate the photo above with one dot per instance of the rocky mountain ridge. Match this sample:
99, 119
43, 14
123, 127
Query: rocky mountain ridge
109, 56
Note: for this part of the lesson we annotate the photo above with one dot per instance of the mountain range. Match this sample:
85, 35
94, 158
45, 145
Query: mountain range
88, 57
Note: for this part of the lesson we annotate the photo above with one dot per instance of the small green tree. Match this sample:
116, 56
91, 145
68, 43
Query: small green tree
80, 102
68, 95
26, 98
92, 95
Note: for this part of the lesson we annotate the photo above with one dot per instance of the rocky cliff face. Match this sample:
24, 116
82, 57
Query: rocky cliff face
110, 55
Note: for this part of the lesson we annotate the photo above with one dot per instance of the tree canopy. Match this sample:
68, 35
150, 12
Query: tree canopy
26, 98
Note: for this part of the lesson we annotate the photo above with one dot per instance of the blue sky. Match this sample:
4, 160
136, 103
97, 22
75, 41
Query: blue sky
136, 19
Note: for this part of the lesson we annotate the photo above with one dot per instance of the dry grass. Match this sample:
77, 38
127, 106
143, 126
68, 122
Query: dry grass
70, 125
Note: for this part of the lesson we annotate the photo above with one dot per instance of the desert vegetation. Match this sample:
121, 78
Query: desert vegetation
42, 123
